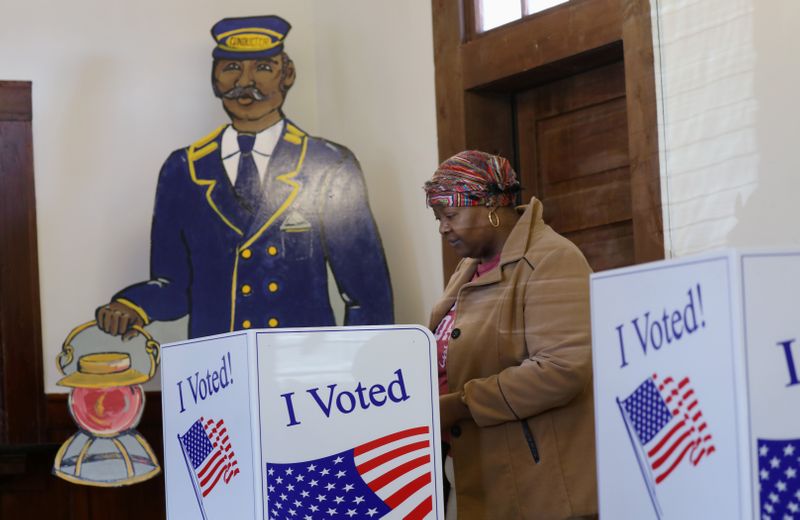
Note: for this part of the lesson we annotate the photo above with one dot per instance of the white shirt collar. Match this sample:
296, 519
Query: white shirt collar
266, 140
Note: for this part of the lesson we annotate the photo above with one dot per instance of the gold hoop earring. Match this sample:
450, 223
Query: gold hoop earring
494, 220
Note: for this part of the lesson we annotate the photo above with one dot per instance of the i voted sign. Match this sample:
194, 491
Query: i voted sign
696, 387
304, 423
359, 438
771, 317
339, 399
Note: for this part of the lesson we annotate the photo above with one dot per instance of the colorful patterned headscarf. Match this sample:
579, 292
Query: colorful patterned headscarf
473, 178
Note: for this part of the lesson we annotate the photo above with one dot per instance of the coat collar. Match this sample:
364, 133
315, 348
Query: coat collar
513, 250
206, 169
516, 244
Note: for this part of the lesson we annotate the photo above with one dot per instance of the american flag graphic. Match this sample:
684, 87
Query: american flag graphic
778, 479
667, 424
208, 453
388, 474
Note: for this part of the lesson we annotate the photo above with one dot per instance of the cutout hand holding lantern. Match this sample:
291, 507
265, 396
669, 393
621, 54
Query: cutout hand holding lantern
106, 401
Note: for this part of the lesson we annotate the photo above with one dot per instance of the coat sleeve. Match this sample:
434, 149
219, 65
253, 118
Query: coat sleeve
557, 333
165, 295
353, 247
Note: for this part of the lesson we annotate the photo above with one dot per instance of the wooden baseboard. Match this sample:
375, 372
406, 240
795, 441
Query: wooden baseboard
29, 490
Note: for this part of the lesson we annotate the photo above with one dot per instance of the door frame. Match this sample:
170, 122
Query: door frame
477, 74
22, 402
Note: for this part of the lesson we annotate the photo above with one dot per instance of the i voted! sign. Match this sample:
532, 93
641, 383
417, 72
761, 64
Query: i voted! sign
696, 387
334, 423
206, 388
360, 438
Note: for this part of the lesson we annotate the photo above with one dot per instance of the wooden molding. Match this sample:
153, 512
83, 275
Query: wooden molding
448, 24
537, 40
15, 101
648, 227
21, 396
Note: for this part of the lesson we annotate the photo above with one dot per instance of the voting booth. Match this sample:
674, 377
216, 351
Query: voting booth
697, 392
303, 423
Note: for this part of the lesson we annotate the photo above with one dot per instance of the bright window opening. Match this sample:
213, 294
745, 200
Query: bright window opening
494, 13
534, 6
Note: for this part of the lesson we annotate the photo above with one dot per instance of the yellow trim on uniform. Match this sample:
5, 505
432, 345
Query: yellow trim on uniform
207, 139
247, 254
287, 179
255, 48
294, 130
292, 138
233, 291
138, 310
196, 152
260, 30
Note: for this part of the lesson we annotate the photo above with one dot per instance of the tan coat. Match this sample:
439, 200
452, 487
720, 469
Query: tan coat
520, 354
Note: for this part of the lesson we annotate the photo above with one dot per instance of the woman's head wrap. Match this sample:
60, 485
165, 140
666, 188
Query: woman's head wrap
473, 178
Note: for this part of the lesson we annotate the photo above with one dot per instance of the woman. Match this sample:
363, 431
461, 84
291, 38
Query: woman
514, 343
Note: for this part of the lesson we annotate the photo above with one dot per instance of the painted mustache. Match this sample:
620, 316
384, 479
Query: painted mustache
244, 92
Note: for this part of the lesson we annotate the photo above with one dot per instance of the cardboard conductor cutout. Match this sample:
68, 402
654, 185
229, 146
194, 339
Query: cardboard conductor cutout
249, 220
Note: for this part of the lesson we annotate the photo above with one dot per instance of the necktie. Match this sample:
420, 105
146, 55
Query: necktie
248, 182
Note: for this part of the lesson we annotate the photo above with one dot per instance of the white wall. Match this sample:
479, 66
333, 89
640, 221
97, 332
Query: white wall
118, 85
375, 79
728, 122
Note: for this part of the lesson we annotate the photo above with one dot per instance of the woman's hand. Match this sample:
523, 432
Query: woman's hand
451, 410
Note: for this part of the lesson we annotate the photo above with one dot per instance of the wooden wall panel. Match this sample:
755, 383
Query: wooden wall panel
606, 247
602, 148
29, 490
21, 385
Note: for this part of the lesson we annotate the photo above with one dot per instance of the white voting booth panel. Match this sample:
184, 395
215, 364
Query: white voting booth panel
334, 423
696, 387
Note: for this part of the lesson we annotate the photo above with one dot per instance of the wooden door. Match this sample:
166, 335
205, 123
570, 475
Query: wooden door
568, 96
573, 156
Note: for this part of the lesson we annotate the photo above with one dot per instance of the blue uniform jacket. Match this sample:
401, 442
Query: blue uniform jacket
208, 262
